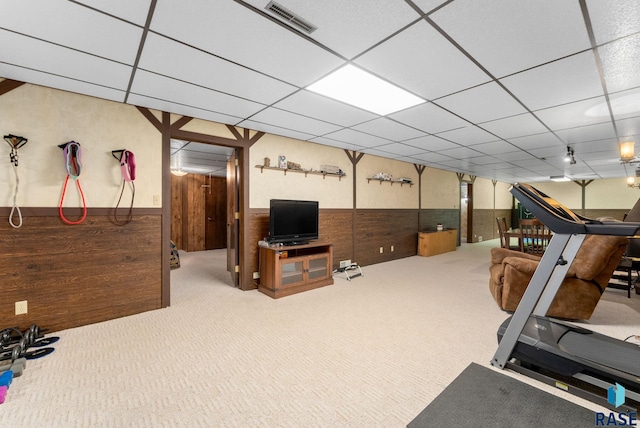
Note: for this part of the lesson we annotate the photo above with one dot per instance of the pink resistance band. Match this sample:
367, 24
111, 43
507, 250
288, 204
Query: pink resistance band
128, 169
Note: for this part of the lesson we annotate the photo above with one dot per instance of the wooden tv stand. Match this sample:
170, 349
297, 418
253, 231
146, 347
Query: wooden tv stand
286, 270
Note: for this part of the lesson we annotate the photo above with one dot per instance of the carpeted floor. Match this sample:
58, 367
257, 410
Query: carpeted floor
372, 352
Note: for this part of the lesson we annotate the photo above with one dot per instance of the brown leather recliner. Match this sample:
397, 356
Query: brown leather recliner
582, 287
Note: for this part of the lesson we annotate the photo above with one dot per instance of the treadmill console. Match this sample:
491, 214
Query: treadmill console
561, 219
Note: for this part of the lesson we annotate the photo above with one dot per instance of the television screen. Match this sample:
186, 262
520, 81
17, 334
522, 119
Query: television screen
293, 222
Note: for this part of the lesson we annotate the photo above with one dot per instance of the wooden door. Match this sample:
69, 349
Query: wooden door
216, 214
233, 223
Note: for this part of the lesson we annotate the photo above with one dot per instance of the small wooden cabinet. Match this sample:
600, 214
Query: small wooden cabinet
437, 242
286, 270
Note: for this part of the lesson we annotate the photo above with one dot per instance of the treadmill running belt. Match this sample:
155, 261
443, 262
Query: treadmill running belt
622, 356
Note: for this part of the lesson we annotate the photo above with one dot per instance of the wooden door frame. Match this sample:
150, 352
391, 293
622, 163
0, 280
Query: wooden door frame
242, 141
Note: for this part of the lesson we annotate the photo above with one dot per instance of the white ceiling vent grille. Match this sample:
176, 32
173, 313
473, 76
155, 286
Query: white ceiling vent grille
292, 18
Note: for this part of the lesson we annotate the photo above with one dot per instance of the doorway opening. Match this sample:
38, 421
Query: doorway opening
200, 199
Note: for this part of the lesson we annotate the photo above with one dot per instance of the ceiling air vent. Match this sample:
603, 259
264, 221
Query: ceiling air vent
290, 17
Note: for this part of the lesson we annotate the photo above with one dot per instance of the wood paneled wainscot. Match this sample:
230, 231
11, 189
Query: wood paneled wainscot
286, 270
437, 242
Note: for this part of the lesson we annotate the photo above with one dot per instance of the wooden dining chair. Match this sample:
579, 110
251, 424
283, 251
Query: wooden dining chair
534, 236
504, 239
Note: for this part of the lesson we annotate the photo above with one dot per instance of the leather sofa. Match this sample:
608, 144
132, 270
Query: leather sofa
588, 276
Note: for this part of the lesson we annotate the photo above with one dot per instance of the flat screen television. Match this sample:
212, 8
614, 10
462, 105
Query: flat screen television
293, 222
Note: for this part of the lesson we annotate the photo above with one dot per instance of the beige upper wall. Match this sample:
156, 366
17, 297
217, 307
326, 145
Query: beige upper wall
440, 189
376, 194
486, 196
330, 192
49, 117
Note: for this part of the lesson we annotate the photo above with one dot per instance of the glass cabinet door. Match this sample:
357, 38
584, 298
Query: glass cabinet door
292, 272
318, 267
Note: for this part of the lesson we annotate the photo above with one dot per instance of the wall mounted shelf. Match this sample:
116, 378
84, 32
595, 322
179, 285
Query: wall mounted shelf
300, 171
401, 183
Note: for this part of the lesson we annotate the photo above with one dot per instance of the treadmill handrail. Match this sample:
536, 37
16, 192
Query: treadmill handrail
561, 219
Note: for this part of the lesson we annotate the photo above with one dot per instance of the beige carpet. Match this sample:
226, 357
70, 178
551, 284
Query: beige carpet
372, 352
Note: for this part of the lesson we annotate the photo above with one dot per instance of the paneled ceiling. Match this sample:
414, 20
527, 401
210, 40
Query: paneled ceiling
508, 85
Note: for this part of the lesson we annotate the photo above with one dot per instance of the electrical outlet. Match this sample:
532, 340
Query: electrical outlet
381, 250
345, 263
256, 275
392, 249
21, 307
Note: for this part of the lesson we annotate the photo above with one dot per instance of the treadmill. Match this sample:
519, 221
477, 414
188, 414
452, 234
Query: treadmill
575, 359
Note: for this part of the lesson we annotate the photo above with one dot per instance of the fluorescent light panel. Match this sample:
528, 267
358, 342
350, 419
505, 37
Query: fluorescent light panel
358, 88
559, 178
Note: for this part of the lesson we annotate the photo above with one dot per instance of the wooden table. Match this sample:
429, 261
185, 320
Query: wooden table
516, 234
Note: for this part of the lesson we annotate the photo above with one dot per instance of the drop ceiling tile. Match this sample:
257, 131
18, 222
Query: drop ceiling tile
601, 160
186, 110
133, 11
530, 163
613, 20
625, 104
431, 142
506, 37
336, 143
311, 104
515, 126
275, 130
620, 61
422, 61
495, 147
457, 164
285, 119
89, 31
156, 86
629, 128
430, 118
198, 67
482, 103
461, 153
571, 115
412, 160
59, 82
44, 57
428, 5
514, 156
344, 26
484, 160
571, 79
380, 153
357, 138
468, 135
582, 134
388, 129
548, 152
400, 149
547, 139
245, 37
432, 157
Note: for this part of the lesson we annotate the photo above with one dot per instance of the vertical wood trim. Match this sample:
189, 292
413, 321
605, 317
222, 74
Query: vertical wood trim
354, 158
166, 211
420, 169
246, 278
